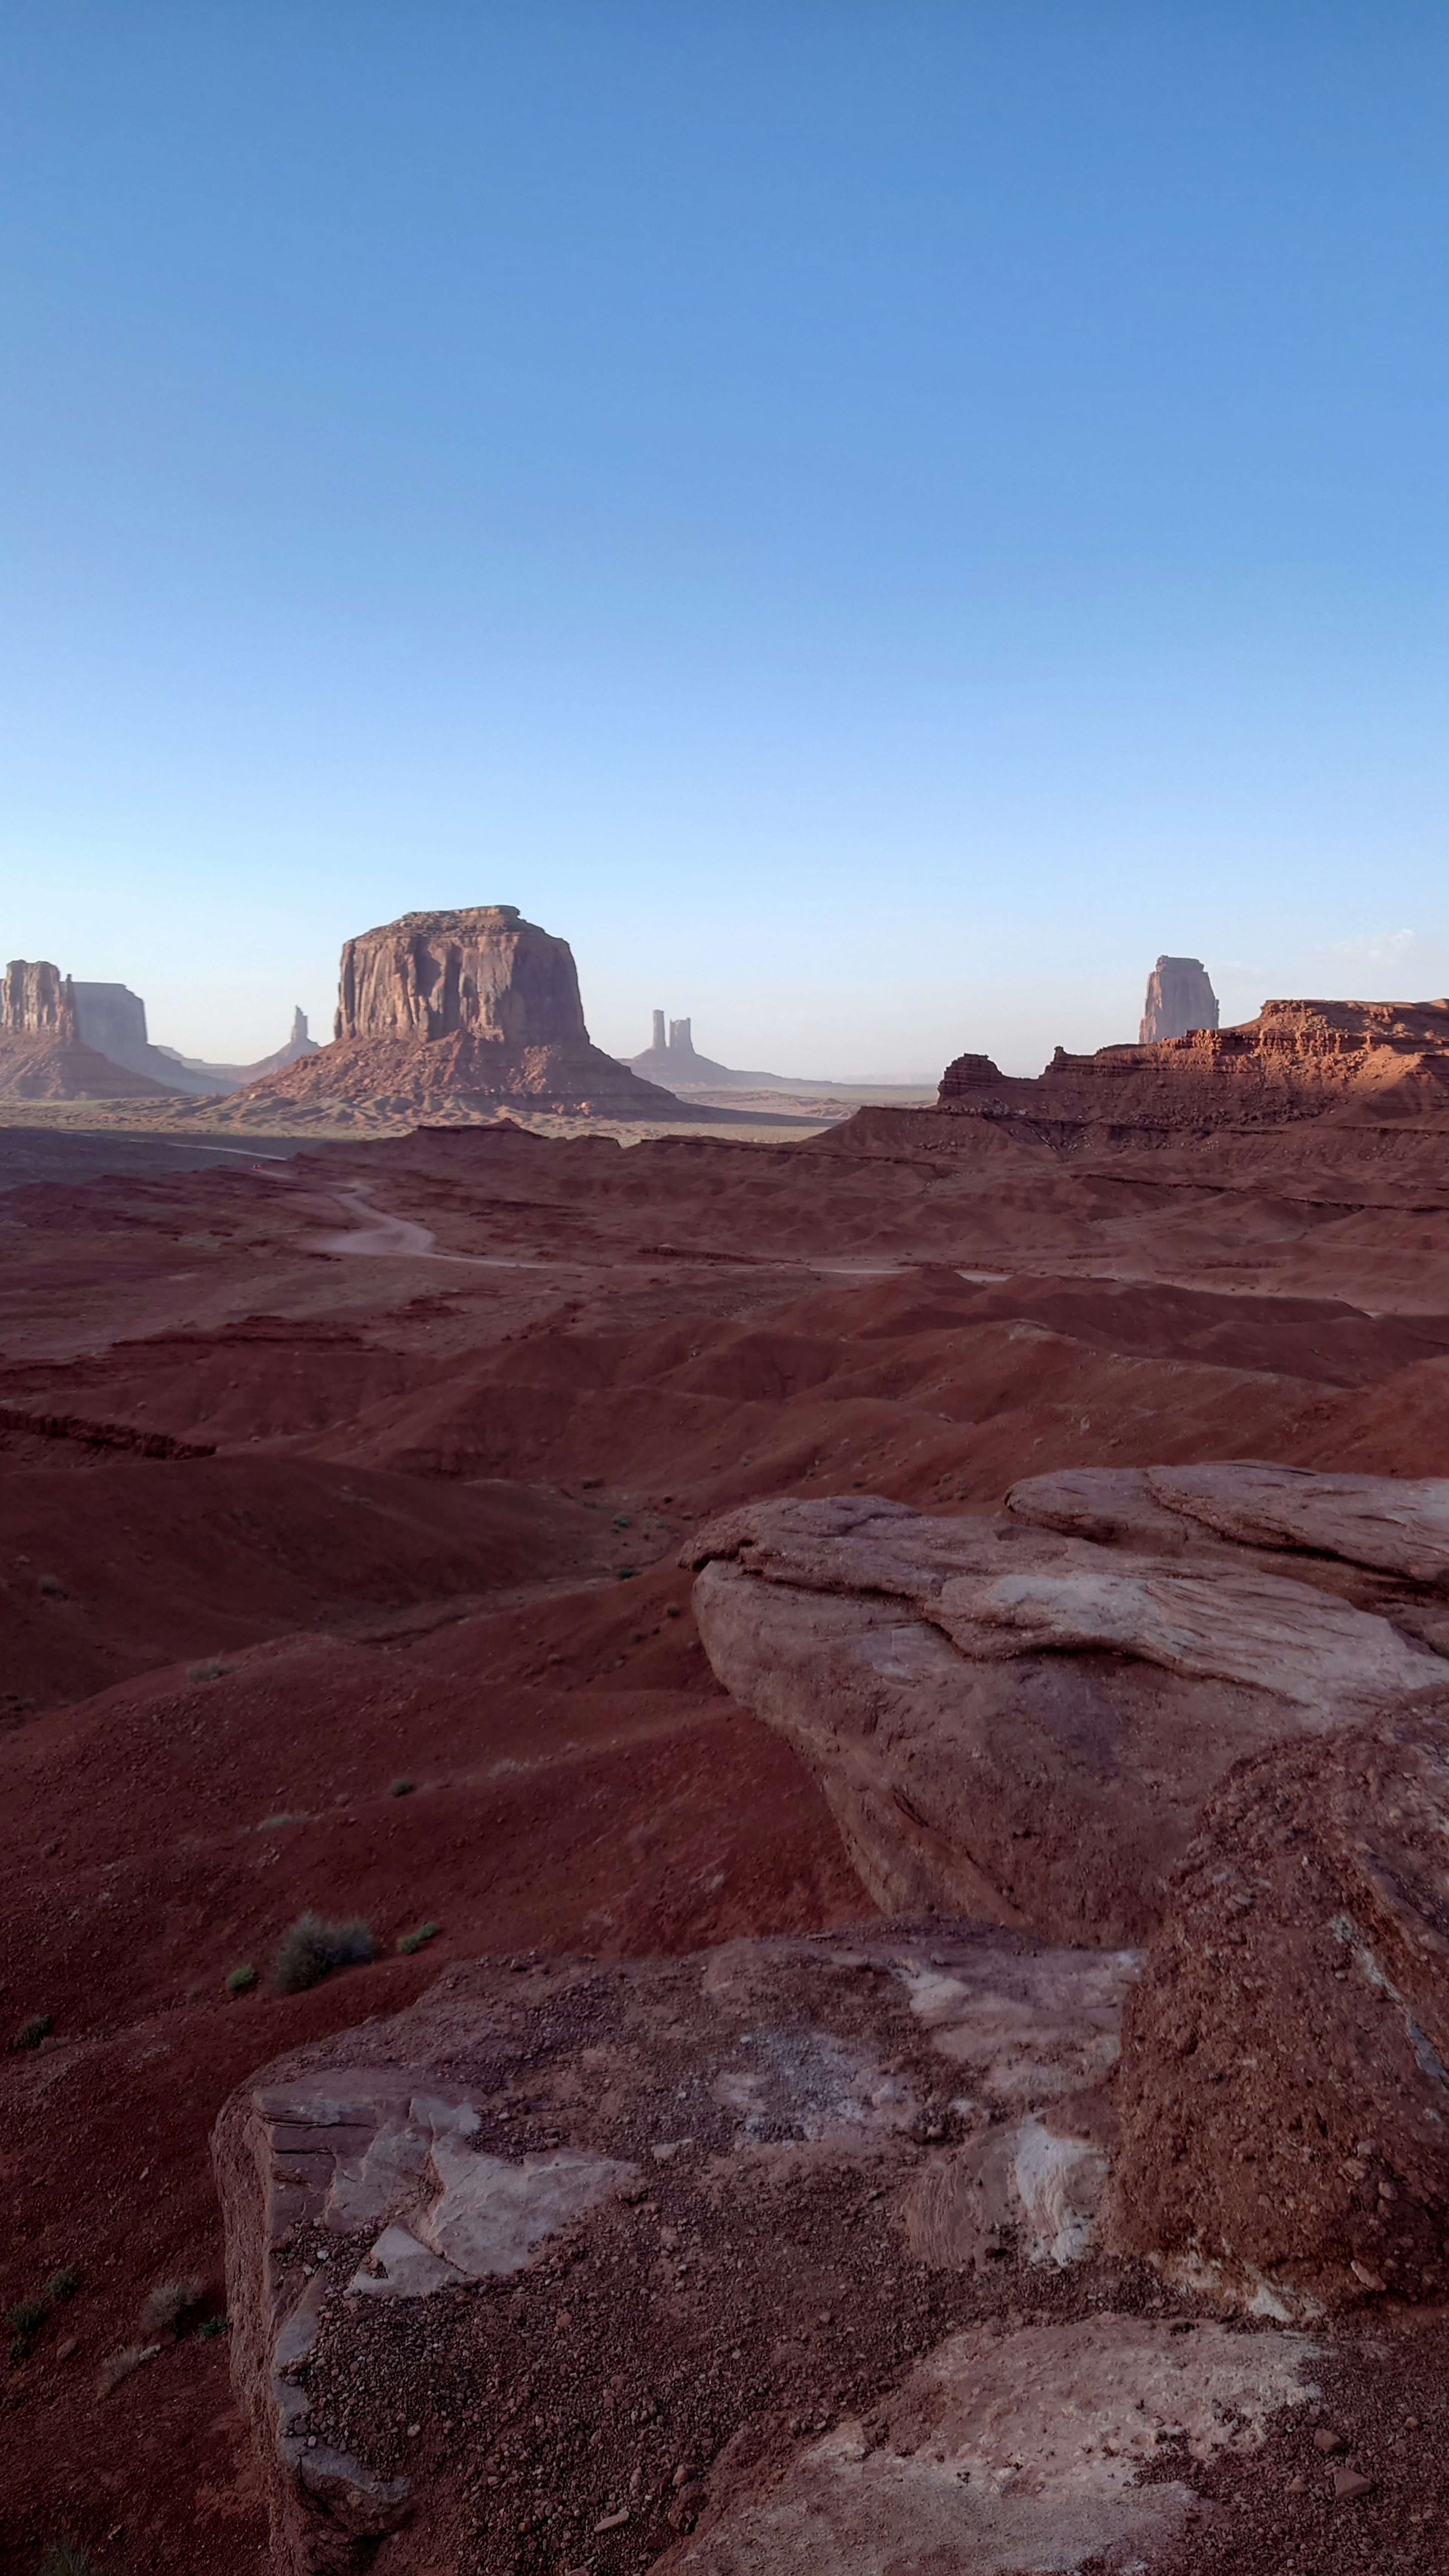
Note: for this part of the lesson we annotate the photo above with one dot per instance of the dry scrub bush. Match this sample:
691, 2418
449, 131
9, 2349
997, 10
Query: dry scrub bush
169, 2302
121, 2364
63, 2558
311, 1949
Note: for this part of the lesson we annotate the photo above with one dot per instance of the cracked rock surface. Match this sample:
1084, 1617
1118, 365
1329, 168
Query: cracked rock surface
1014, 1718
499, 2269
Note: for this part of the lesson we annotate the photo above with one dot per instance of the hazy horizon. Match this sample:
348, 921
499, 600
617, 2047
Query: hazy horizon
872, 523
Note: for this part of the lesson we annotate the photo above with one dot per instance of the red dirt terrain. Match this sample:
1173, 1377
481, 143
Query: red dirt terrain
341, 1499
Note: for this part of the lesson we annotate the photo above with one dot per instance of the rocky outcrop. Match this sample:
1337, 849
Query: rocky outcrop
44, 1054
1022, 1722
669, 2208
702, 2263
1370, 1061
485, 972
1180, 998
36, 1001
461, 1014
1284, 2092
673, 1060
299, 1044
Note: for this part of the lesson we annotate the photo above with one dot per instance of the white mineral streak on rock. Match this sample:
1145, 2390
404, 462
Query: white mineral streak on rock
1030, 2456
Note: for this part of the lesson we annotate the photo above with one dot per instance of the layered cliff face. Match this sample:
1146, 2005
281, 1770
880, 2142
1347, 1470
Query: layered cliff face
36, 1001
1295, 1061
43, 1053
455, 1014
483, 972
1179, 998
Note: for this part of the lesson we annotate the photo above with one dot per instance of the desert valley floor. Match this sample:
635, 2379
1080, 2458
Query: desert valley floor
342, 1500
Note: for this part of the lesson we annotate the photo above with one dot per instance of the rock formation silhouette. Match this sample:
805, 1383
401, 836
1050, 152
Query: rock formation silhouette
62, 1040
1179, 999
462, 1012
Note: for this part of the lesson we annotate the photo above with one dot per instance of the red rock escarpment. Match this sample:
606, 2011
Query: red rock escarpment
462, 1012
1297, 1060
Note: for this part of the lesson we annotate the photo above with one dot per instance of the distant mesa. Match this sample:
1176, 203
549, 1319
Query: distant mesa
1296, 1060
449, 1015
1179, 999
65, 1040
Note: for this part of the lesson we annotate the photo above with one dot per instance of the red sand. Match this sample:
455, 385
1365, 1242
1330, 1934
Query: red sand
432, 1467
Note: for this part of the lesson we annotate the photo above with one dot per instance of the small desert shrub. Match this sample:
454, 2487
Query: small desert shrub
121, 2364
626, 1573
212, 1669
212, 2326
53, 1588
169, 2302
63, 2558
671, 1610
311, 1949
401, 1789
27, 2316
410, 1941
32, 2032
239, 1979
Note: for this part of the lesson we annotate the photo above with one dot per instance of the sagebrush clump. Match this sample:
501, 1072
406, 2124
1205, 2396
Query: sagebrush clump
32, 2031
64, 2558
311, 1948
169, 2302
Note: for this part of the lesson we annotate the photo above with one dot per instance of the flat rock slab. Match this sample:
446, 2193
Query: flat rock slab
1394, 1525
1011, 2451
563, 2222
1284, 2087
1016, 1722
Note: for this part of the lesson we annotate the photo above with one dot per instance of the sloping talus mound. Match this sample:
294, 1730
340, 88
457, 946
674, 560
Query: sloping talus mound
573, 2264
1019, 1722
460, 1013
1284, 2090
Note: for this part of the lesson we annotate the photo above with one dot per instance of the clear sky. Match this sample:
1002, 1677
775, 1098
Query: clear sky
870, 517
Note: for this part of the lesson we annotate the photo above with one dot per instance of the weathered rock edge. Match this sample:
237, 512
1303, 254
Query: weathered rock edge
1017, 1721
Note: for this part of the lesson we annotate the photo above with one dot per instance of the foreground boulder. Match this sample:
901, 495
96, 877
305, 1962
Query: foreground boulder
1020, 1722
1284, 2089
571, 2257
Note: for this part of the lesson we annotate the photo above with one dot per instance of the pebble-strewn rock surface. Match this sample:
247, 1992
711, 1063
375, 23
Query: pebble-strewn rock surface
573, 2256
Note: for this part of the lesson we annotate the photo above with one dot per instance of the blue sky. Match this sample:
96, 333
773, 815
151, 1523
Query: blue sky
872, 520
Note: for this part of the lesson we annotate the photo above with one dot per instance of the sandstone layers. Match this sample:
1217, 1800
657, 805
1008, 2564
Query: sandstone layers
1104, 1718
1370, 1061
1018, 1722
462, 1013
43, 1055
1179, 999
61, 1039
